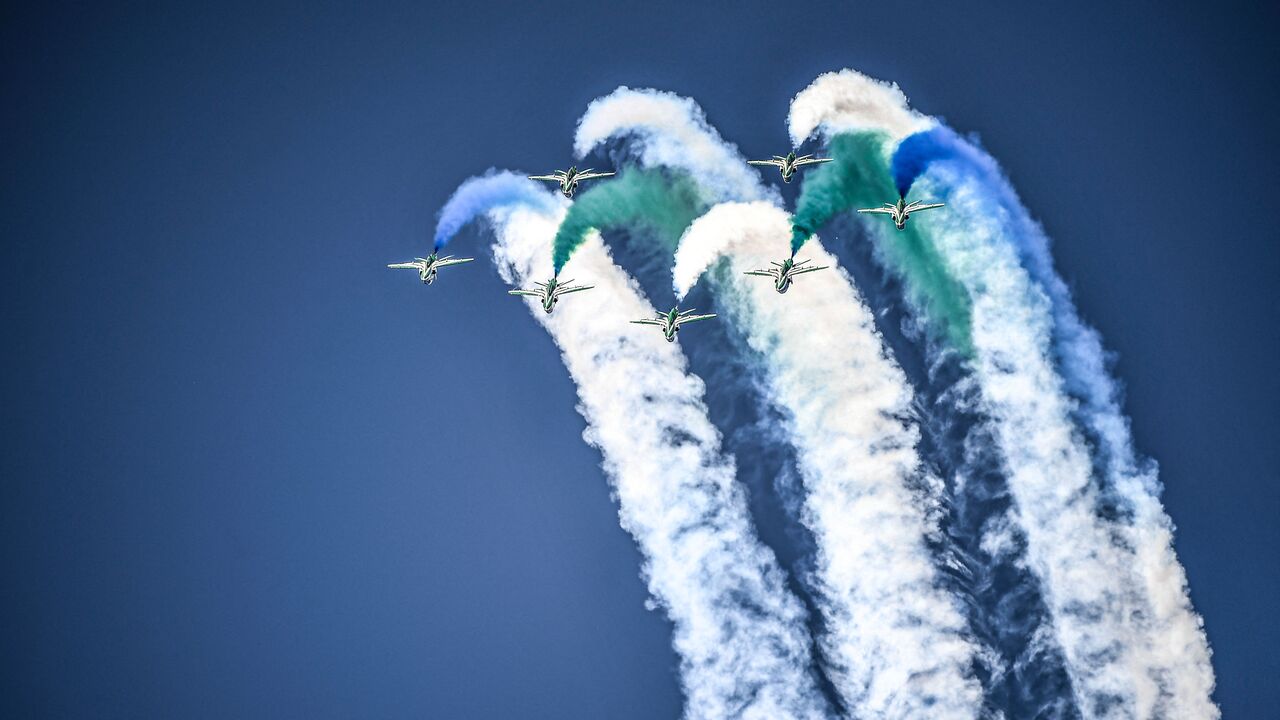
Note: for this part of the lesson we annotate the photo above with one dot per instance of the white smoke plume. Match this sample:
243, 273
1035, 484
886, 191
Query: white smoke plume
740, 634
1120, 595
1179, 644
670, 130
1133, 645
846, 101
897, 643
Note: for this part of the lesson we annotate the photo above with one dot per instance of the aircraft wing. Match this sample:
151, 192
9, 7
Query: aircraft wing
691, 318
405, 266
551, 178
928, 206
659, 323
761, 273
774, 163
885, 211
797, 271
530, 293
455, 261
812, 161
563, 290
592, 175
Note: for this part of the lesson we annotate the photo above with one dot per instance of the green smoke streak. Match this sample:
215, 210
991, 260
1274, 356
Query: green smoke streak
859, 177
662, 202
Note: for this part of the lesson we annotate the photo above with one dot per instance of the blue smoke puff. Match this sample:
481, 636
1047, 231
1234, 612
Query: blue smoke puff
478, 195
917, 152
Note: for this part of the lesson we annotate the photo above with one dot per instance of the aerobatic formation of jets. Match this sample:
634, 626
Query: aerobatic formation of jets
783, 273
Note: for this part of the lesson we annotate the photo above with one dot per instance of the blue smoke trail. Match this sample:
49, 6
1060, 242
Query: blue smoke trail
478, 195
915, 153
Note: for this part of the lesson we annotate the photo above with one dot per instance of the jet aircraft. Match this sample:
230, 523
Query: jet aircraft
671, 321
428, 265
789, 164
902, 210
550, 292
569, 179
784, 272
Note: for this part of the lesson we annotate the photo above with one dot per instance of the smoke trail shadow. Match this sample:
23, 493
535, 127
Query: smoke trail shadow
980, 552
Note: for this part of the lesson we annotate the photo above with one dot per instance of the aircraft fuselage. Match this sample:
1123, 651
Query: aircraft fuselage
428, 271
549, 298
788, 169
673, 326
900, 214
570, 184
783, 283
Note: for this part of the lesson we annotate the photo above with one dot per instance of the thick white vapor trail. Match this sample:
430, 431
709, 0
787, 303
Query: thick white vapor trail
1087, 576
1179, 644
896, 642
1128, 609
671, 130
740, 634
848, 100
1116, 594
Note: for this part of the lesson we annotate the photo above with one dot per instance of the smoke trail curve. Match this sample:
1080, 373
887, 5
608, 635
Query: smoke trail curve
659, 201
476, 195
668, 130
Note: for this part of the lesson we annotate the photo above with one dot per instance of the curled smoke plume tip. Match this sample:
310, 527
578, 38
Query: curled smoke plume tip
918, 151
664, 129
847, 101
493, 190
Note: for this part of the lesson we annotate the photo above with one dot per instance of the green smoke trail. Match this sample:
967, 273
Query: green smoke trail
859, 177
663, 202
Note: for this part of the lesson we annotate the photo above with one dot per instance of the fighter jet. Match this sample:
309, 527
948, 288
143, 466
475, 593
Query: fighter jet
788, 165
428, 265
902, 210
569, 179
671, 321
784, 272
550, 292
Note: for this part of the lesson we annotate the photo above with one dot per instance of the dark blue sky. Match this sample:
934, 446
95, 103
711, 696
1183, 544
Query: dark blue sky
248, 472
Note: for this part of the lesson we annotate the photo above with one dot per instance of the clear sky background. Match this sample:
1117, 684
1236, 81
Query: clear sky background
246, 471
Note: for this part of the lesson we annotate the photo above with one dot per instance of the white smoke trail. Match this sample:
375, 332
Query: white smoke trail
671, 130
848, 100
1117, 595
1151, 611
898, 645
1087, 577
740, 635
1177, 632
